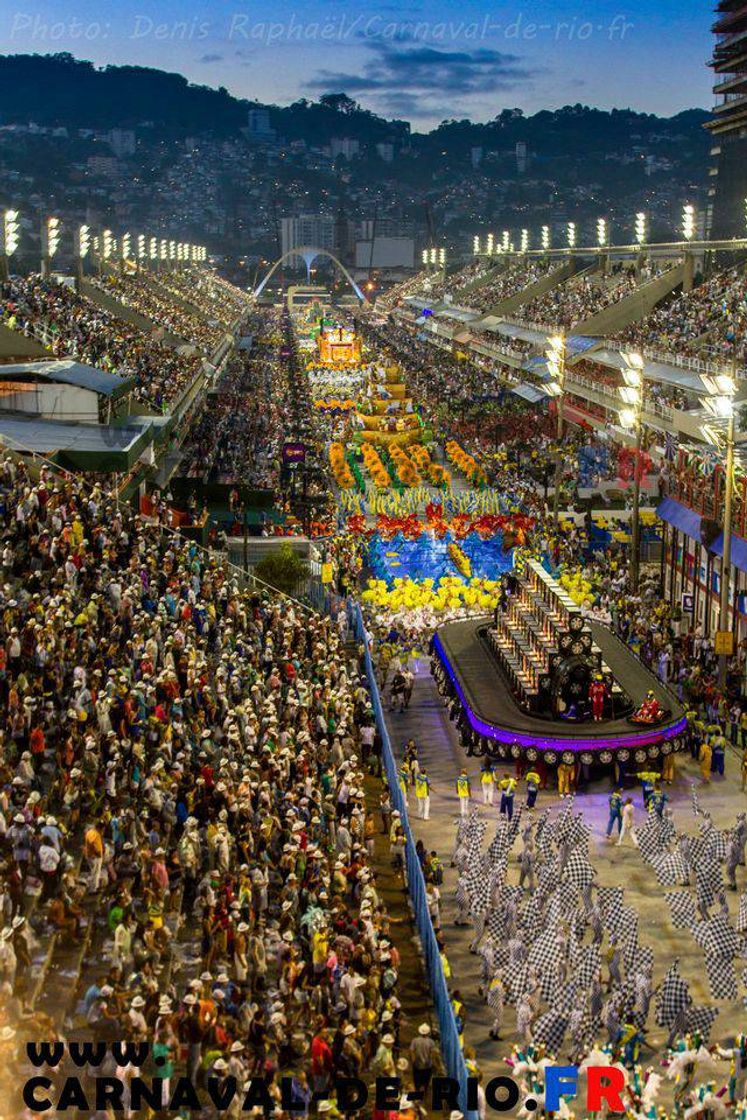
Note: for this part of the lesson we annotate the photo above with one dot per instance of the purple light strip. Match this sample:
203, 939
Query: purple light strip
545, 743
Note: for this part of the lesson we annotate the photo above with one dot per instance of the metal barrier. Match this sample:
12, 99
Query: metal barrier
451, 1049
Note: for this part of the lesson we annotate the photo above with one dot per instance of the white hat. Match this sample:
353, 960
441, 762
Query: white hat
456, 1115
424, 1029
237, 1047
348, 1029
138, 1001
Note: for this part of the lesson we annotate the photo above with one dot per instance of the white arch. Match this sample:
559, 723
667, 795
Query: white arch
310, 253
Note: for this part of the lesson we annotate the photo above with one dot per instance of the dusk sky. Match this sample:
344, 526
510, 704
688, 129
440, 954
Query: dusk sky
423, 62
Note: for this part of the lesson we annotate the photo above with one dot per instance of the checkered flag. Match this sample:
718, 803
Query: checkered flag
670, 869
701, 1019
610, 899
744, 977
721, 978
681, 908
588, 965
742, 915
650, 840
717, 938
673, 997
694, 799
549, 1031
708, 883
578, 870
577, 833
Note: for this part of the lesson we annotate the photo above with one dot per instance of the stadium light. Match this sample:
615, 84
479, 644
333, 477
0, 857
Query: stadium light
505, 241
107, 241
126, 247
163, 251
53, 236
142, 251
631, 394
525, 240
82, 241
601, 232
153, 248
545, 237
571, 231
641, 231
490, 245
10, 232
442, 257
688, 222
172, 250
476, 245
424, 256
8, 241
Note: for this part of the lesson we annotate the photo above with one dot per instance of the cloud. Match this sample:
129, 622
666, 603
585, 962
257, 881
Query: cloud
423, 70
205, 58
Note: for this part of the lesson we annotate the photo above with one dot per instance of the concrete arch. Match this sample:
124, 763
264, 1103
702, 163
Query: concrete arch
309, 254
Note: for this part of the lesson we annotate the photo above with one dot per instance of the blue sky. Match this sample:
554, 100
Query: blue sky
424, 62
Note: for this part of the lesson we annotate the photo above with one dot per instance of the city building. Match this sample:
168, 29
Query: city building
344, 146
728, 124
315, 230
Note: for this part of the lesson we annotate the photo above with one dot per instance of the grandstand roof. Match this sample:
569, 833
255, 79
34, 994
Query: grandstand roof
68, 372
93, 447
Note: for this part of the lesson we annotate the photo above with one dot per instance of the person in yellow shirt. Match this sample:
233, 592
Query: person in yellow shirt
463, 789
507, 786
423, 794
532, 780
566, 772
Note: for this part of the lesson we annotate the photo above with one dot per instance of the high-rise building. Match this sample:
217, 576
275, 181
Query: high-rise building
315, 231
728, 124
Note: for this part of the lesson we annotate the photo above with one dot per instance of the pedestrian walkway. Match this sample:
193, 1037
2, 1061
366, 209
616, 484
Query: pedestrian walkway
439, 750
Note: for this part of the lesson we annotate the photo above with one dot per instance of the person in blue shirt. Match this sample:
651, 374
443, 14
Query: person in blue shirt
657, 801
616, 804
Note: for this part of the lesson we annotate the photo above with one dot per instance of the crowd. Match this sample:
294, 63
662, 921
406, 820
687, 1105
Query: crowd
72, 326
145, 295
508, 280
710, 318
221, 303
185, 791
579, 298
238, 434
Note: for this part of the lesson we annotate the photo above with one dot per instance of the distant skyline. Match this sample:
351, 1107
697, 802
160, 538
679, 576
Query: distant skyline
423, 63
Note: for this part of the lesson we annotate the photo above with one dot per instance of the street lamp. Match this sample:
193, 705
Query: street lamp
641, 223
631, 393
555, 355
9, 244
720, 403
688, 222
545, 237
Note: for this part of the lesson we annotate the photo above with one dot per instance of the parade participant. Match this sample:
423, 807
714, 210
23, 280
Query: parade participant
566, 775
463, 789
533, 782
423, 794
597, 695
615, 817
507, 786
487, 782
628, 814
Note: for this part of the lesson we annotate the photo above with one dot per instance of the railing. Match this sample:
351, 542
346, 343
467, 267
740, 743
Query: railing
450, 1045
682, 361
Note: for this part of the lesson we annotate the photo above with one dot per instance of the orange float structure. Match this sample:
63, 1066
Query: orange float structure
338, 346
